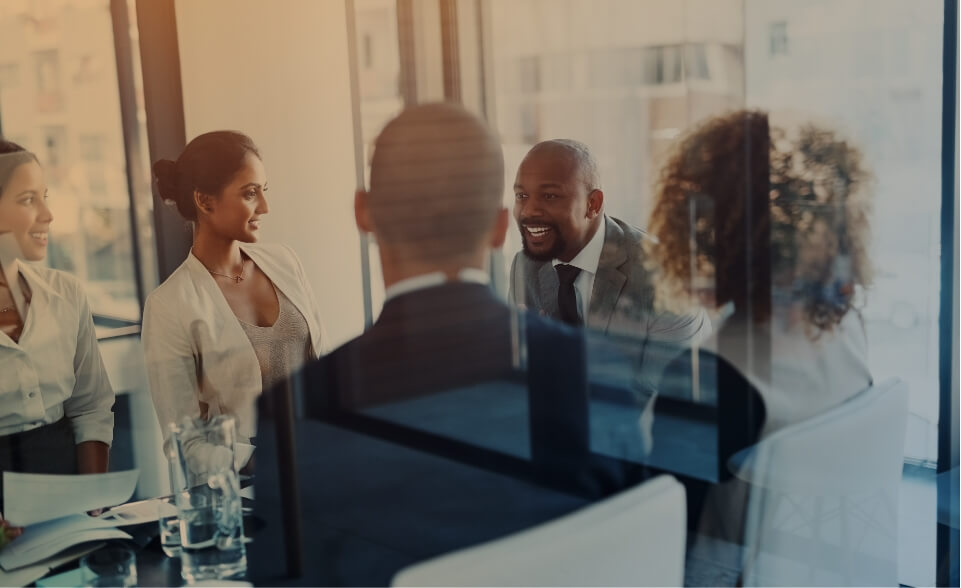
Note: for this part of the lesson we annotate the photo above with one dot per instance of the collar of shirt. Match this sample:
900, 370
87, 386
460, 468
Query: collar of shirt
588, 258
36, 282
468, 274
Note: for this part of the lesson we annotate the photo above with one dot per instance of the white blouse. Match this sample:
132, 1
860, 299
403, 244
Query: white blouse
808, 375
55, 369
200, 362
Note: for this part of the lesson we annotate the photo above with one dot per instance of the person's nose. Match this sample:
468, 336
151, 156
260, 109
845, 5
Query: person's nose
531, 208
45, 215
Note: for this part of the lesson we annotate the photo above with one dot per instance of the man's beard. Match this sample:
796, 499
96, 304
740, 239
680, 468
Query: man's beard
552, 253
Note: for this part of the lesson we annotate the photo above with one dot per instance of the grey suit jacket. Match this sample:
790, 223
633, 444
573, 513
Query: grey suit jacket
622, 301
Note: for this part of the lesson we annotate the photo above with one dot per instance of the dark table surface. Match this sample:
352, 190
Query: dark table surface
683, 444
369, 509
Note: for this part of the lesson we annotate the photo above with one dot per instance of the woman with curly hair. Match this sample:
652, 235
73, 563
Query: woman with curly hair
780, 216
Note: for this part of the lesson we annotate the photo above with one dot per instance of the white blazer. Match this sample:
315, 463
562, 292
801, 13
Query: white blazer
200, 362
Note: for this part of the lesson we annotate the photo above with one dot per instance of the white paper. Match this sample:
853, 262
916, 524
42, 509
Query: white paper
135, 513
41, 540
33, 498
30, 574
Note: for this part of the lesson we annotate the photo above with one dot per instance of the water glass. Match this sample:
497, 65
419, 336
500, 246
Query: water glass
169, 522
109, 566
209, 505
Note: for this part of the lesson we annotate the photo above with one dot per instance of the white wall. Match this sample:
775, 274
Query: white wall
279, 72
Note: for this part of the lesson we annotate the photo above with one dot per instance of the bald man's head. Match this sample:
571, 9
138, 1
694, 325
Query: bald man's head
558, 200
577, 155
436, 183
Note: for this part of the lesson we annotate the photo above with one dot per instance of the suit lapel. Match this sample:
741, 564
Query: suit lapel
609, 280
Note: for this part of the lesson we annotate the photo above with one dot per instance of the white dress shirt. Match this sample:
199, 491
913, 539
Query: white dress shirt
200, 362
55, 369
587, 260
468, 274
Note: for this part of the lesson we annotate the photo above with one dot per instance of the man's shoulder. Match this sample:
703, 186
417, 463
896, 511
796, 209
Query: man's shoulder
626, 235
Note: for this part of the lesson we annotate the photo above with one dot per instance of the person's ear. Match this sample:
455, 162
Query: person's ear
499, 232
203, 202
595, 203
361, 212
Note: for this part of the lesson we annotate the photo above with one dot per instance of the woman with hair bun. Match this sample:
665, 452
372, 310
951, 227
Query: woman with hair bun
236, 317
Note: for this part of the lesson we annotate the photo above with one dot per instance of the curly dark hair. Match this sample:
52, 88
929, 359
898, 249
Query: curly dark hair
816, 227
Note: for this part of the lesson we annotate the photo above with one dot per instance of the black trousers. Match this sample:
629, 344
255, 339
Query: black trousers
50, 449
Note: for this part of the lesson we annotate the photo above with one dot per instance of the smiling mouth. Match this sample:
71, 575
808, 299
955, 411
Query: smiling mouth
537, 232
39, 236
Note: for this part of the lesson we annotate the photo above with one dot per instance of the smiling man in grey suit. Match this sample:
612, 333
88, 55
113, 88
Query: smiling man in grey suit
579, 265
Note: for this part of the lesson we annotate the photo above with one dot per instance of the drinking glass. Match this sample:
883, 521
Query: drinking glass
109, 566
169, 522
209, 506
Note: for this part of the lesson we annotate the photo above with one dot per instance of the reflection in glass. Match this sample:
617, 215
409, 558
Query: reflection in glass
60, 97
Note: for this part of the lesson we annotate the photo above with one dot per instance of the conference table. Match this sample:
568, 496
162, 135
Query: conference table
396, 484
370, 508
393, 485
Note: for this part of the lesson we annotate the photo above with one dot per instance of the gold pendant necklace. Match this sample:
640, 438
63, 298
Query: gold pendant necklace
236, 279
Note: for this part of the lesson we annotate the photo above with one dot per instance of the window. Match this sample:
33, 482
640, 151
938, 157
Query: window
875, 80
68, 113
778, 38
887, 115
639, 76
695, 62
529, 74
627, 95
368, 51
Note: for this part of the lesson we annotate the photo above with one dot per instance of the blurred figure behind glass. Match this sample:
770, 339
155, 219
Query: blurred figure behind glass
818, 195
814, 194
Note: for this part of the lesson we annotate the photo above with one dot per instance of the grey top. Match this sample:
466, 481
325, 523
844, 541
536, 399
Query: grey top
283, 347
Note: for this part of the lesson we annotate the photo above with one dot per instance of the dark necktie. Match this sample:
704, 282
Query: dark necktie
566, 296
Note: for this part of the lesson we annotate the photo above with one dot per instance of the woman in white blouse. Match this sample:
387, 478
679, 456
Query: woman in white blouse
55, 400
236, 317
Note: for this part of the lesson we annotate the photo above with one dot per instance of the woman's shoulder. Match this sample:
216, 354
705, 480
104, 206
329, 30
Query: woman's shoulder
278, 251
59, 281
274, 254
173, 289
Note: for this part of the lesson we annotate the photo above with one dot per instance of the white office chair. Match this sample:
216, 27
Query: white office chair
636, 538
823, 506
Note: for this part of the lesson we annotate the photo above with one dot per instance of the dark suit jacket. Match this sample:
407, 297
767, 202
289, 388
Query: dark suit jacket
622, 300
458, 336
436, 339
